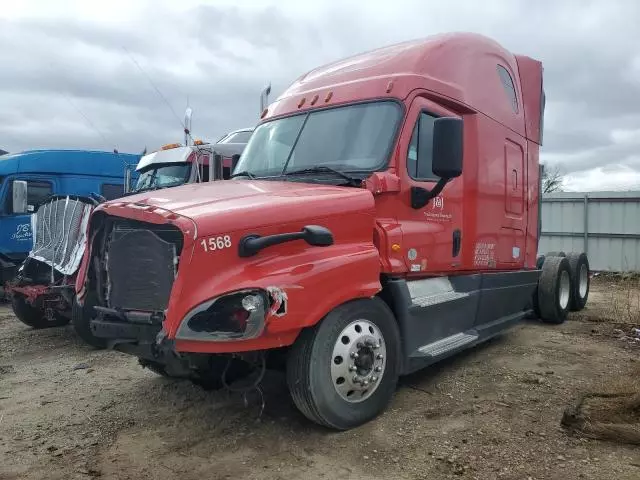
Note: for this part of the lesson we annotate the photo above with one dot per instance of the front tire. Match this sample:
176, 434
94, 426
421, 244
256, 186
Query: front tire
34, 317
336, 372
81, 317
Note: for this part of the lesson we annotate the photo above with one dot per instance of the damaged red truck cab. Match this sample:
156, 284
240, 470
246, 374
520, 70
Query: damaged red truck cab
351, 241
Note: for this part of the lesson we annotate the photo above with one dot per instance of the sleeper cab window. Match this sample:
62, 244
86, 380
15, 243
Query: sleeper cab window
111, 191
509, 88
420, 156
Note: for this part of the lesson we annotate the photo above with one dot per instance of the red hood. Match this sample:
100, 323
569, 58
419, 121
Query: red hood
228, 205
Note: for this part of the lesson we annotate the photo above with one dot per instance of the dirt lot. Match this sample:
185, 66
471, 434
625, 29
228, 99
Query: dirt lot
67, 411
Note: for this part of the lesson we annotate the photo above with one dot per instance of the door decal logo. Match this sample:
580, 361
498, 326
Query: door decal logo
436, 213
22, 233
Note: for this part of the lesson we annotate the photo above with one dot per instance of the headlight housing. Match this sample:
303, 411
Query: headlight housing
233, 316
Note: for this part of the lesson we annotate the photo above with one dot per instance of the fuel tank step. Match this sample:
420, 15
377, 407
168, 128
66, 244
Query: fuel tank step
447, 344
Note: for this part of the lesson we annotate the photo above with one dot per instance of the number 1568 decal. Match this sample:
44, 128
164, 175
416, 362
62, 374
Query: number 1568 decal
212, 244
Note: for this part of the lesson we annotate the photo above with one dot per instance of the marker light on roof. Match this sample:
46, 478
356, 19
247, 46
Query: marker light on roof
169, 146
198, 142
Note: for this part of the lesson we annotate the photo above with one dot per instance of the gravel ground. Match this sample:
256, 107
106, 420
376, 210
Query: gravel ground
68, 412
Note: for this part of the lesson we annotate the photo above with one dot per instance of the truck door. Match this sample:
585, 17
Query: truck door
432, 235
511, 248
15, 237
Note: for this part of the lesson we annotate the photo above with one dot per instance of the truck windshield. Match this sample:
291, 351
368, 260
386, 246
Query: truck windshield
237, 137
351, 138
162, 175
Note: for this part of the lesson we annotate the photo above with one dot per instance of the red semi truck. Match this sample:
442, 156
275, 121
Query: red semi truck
383, 216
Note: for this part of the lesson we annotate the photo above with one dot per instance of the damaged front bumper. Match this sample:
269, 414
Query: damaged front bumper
234, 316
147, 341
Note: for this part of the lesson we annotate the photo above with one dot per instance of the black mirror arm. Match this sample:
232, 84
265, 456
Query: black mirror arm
437, 190
421, 196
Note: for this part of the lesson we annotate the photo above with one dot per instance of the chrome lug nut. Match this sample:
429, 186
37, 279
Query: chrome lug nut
365, 383
356, 379
379, 356
378, 369
353, 355
353, 368
374, 379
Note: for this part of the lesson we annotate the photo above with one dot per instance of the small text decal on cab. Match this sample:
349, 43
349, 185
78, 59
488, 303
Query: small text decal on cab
212, 244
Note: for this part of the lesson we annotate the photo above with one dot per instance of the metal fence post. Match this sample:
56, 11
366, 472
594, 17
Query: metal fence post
586, 223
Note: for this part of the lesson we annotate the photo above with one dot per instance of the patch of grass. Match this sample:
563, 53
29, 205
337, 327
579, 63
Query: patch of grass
620, 301
611, 412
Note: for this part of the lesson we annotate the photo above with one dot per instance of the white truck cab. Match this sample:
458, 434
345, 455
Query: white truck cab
175, 164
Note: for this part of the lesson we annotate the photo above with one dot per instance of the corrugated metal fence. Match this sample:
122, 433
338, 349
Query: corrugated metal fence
606, 225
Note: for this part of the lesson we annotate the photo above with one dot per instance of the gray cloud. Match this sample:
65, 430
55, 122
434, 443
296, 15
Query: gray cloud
221, 56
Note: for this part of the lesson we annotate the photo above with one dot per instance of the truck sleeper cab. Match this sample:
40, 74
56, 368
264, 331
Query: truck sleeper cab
382, 217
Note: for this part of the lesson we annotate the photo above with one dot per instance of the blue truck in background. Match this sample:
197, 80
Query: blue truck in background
46, 173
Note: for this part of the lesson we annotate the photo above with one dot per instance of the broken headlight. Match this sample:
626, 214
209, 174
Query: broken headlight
234, 316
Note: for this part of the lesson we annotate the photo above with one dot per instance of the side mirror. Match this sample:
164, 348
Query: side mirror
314, 235
19, 188
127, 178
447, 147
317, 236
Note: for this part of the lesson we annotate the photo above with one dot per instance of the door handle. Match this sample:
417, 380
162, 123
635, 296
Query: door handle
457, 242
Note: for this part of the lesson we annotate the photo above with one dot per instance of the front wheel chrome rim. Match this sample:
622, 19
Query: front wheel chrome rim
565, 289
584, 281
358, 361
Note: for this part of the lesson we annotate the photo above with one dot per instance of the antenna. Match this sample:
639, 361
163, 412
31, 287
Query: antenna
187, 125
164, 99
264, 97
86, 119
89, 123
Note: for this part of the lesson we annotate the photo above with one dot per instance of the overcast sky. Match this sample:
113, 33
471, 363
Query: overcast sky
69, 77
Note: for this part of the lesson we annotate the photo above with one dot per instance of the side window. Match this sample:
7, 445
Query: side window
111, 192
420, 156
507, 83
37, 192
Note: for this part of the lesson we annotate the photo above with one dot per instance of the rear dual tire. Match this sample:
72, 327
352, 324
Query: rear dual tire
580, 280
554, 290
319, 375
562, 275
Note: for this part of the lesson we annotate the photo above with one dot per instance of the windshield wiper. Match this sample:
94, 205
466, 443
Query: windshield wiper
147, 188
355, 181
243, 174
